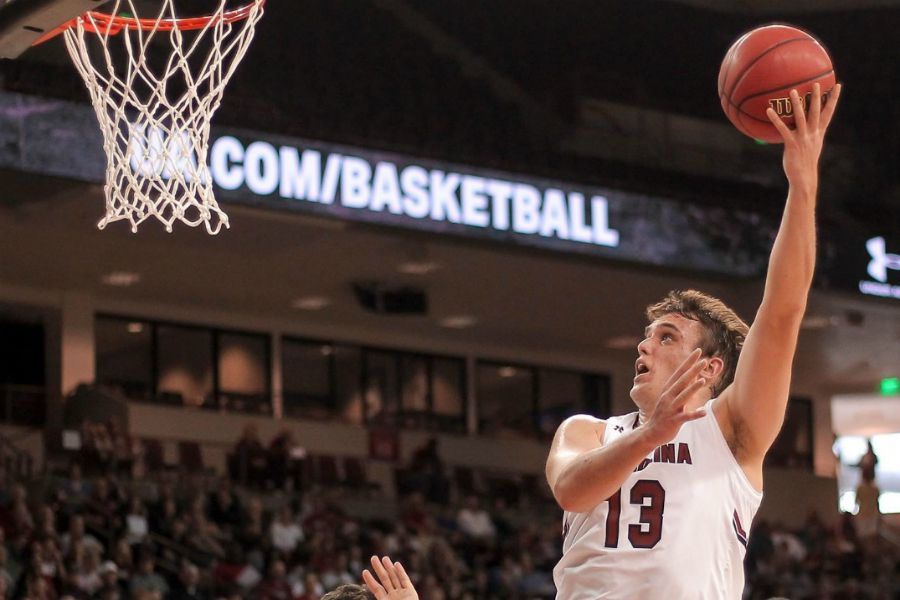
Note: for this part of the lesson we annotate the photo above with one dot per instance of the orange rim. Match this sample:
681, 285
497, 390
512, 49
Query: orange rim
102, 23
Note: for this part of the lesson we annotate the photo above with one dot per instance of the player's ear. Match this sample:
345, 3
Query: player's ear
714, 369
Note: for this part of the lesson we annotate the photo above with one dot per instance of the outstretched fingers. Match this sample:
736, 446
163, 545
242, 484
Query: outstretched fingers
780, 125
405, 581
687, 393
383, 577
392, 572
376, 588
799, 113
686, 365
687, 383
831, 105
815, 107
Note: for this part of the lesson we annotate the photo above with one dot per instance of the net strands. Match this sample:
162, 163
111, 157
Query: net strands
155, 113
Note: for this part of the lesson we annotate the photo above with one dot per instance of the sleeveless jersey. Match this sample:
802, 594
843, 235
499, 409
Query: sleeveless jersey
677, 528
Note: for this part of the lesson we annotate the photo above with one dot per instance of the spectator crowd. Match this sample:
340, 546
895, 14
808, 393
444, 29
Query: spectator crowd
171, 535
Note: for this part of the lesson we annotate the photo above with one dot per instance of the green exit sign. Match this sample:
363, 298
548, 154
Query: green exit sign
890, 386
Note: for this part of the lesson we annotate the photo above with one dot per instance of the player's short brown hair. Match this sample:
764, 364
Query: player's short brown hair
725, 331
349, 591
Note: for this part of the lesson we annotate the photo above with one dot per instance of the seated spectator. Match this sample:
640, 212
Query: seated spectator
285, 533
339, 573
51, 563
111, 588
8, 572
45, 527
475, 522
275, 586
76, 537
123, 559
203, 534
124, 449
75, 491
415, 514
163, 522
87, 574
252, 533
136, 522
15, 518
188, 585
146, 579
96, 448
427, 473
312, 588
224, 506
234, 571
279, 457
251, 457
102, 508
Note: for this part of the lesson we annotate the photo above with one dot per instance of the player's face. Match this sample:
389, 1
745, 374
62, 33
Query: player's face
667, 343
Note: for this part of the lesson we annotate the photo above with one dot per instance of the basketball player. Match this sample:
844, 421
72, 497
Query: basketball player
392, 584
658, 503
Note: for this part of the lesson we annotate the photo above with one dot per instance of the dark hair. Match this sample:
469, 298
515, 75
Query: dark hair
349, 591
724, 330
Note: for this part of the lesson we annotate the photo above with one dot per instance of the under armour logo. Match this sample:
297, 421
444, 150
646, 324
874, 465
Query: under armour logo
619, 428
881, 260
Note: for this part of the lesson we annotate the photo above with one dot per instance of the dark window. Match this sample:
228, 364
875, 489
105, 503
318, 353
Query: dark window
124, 355
566, 393
185, 365
506, 398
243, 372
381, 373
307, 371
448, 391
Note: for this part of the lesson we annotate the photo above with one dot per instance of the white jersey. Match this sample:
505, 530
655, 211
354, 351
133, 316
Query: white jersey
677, 529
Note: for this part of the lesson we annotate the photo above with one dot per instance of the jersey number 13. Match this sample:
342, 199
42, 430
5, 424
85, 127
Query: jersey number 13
651, 515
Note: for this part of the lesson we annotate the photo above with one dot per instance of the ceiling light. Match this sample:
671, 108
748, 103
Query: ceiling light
121, 278
418, 267
326, 350
507, 372
458, 321
310, 303
623, 342
135, 327
818, 322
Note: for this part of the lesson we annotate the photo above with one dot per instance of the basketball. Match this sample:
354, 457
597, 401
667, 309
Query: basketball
760, 70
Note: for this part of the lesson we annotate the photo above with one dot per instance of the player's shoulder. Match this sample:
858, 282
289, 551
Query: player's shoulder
580, 421
581, 426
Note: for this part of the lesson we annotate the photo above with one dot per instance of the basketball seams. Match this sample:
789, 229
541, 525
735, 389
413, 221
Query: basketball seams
740, 78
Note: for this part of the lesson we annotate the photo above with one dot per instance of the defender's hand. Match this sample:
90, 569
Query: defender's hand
393, 582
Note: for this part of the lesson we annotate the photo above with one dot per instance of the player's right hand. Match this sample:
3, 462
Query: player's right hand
670, 412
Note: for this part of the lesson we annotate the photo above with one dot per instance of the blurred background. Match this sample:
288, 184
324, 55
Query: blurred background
447, 219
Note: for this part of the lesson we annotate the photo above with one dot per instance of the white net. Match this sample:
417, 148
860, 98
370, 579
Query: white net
155, 88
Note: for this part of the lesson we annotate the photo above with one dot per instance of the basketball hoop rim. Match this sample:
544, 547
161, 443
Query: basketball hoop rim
103, 23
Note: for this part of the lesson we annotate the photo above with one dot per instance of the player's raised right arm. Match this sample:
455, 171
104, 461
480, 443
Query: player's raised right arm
583, 472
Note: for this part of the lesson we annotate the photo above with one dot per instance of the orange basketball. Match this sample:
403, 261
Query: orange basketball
759, 71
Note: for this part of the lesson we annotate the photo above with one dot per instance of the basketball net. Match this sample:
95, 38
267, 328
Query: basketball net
154, 94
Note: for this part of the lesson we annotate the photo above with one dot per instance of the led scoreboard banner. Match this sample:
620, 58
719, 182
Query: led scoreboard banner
60, 138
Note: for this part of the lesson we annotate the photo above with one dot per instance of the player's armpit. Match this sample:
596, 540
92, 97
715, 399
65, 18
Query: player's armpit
757, 399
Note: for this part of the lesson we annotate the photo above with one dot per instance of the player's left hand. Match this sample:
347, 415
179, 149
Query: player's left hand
803, 144
393, 583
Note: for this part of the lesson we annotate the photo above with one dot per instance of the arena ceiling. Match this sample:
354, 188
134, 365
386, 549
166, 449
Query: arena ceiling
48, 237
